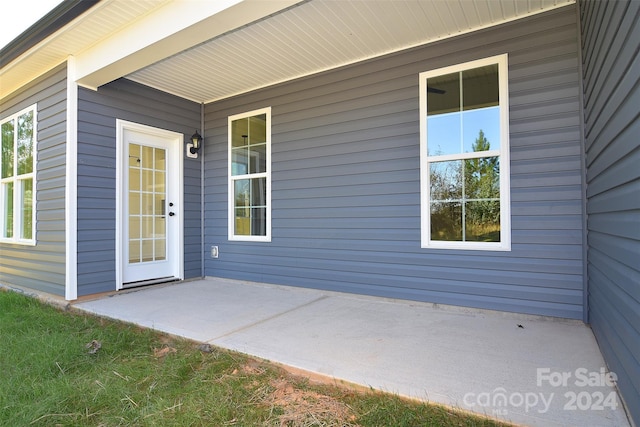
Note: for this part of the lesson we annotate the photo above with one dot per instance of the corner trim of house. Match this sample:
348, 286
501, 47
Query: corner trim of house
71, 181
583, 168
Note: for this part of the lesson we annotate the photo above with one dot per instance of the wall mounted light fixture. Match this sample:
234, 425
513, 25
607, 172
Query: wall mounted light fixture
194, 145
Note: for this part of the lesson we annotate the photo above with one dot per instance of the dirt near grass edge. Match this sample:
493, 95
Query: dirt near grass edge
306, 408
294, 403
299, 398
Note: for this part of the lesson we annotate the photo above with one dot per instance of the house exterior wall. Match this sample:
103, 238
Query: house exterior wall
345, 179
42, 267
97, 114
611, 38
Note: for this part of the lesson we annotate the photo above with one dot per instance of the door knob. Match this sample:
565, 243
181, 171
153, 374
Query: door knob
171, 214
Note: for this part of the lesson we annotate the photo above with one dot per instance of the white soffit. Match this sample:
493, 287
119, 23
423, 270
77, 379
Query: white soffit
118, 37
95, 25
319, 35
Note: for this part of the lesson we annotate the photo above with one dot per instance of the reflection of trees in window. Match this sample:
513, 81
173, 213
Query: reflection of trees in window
24, 146
7, 149
8, 210
27, 209
25, 143
482, 183
446, 196
465, 197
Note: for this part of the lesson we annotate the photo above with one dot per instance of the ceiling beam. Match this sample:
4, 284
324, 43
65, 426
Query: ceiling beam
173, 28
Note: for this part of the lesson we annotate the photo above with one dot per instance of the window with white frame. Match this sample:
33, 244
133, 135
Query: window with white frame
17, 177
464, 142
250, 176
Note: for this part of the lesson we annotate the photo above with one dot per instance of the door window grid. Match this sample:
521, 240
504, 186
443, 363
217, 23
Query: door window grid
147, 204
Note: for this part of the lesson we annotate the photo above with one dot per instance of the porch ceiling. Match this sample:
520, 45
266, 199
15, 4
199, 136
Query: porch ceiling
318, 35
235, 46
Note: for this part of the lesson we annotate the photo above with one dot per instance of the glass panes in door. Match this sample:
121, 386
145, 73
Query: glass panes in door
147, 204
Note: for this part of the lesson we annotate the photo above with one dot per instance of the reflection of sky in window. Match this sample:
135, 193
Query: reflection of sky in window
446, 134
443, 134
485, 119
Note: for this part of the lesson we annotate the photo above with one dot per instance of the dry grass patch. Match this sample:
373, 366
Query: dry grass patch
302, 407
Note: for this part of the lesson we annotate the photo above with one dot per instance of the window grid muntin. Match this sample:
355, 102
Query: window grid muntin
502, 152
253, 147
15, 176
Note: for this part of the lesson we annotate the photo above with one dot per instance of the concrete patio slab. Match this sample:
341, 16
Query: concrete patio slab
529, 370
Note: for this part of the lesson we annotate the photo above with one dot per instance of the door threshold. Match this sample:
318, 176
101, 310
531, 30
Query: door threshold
149, 282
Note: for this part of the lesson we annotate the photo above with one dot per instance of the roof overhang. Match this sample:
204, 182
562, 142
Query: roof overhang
210, 50
66, 12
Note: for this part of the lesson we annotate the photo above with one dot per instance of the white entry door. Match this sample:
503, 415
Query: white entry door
150, 196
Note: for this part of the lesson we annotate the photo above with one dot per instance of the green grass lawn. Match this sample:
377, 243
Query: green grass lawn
49, 377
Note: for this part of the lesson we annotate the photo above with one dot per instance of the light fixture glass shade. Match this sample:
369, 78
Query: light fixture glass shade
196, 140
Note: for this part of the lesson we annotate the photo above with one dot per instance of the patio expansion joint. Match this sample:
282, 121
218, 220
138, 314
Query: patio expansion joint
266, 319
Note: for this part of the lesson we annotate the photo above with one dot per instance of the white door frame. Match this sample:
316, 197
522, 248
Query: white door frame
121, 167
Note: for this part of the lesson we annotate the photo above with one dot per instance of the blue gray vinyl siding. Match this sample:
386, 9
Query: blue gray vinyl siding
42, 267
345, 177
97, 114
611, 40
